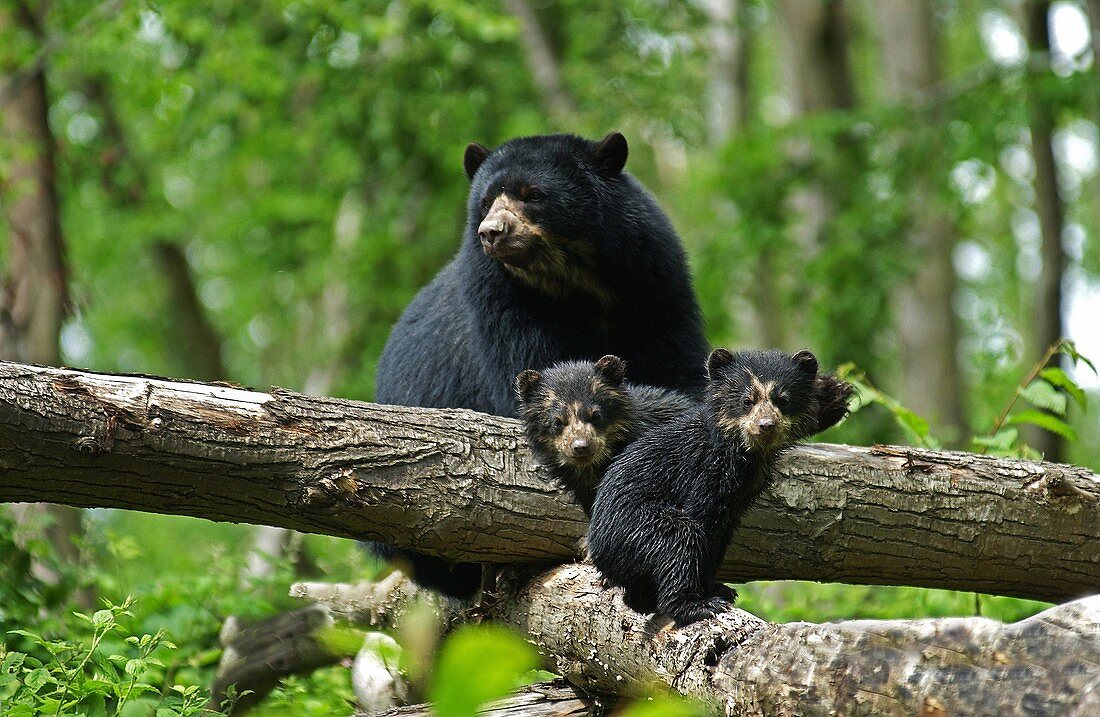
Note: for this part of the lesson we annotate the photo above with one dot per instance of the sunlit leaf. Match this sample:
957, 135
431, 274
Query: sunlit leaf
1043, 395
1046, 422
1059, 379
1001, 441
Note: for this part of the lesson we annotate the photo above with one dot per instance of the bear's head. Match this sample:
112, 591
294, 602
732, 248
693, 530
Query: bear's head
765, 400
575, 413
539, 205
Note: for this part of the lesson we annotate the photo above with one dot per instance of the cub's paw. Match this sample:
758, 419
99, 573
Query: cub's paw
721, 590
703, 610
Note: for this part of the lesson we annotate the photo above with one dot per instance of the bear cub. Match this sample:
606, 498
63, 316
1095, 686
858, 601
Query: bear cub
668, 506
578, 415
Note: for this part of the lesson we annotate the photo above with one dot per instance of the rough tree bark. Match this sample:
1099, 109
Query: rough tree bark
738, 664
462, 485
924, 312
1047, 326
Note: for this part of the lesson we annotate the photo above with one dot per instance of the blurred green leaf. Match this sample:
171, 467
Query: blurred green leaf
663, 706
478, 664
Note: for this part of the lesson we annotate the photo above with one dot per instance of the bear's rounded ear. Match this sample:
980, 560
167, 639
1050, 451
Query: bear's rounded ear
612, 369
525, 383
806, 361
475, 155
610, 154
718, 360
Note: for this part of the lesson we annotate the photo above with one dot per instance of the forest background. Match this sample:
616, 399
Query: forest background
252, 192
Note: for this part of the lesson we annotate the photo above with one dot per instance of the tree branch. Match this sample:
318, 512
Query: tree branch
462, 485
738, 664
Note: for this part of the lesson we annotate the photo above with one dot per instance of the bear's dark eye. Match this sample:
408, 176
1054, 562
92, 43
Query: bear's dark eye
595, 416
746, 402
781, 402
534, 194
558, 424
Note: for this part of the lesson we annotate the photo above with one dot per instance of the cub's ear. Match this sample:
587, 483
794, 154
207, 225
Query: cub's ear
612, 369
806, 361
525, 383
609, 156
718, 360
475, 155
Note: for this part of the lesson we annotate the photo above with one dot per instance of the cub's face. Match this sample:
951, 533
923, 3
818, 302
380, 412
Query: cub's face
535, 206
763, 398
574, 411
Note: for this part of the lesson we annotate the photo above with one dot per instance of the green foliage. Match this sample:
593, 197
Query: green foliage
478, 664
1048, 389
916, 428
97, 675
792, 601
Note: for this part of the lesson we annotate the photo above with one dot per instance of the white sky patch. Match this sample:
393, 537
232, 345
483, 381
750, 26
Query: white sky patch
1018, 163
152, 28
974, 180
1001, 38
344, 52
1069, 28
1082, 325
972, 262
76, 343
1076, 154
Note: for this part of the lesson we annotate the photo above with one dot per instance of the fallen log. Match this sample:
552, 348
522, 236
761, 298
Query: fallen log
462, 485
736, 663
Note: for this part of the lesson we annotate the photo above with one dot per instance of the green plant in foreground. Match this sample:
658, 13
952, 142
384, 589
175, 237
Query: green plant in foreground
478, 664
80, 679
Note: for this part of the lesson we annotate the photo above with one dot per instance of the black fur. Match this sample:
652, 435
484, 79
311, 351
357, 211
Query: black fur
578, 415
620, 285
668, 506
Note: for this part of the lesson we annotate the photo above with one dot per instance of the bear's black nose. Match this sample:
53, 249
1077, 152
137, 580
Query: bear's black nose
490, 230
581, 446
766, 425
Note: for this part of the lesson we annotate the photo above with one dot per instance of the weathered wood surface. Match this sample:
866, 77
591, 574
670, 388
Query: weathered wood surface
737, 664
462, 485
546, 699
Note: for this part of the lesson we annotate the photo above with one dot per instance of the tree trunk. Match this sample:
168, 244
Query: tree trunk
542, 62
1047, 327
926, 323
200, 343
738, 664
816, 46
462, 485
819, 79
34, 298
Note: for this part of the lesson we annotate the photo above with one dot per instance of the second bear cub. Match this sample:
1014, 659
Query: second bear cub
668, 506
578, 415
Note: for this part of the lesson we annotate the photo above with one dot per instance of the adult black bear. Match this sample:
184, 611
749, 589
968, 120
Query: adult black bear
578, 415
668, 506
564, 256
